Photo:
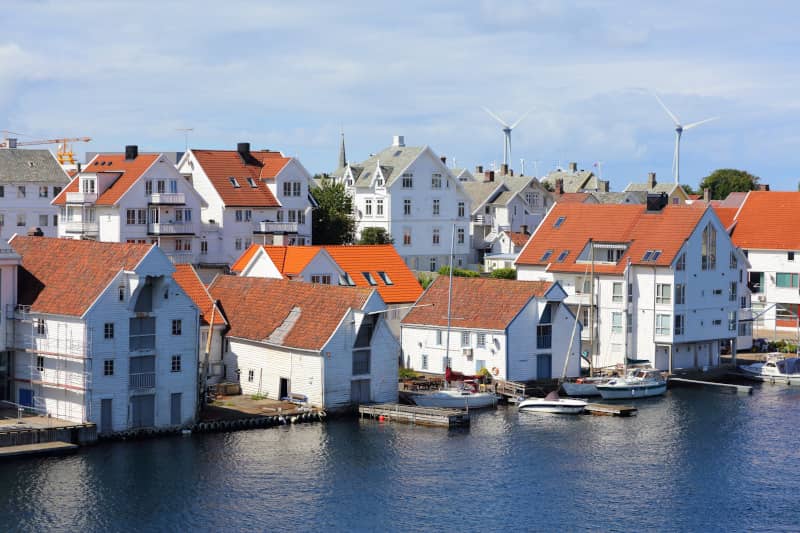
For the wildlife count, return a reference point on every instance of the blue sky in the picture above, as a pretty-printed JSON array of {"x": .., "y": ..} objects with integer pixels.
[{"x": 289, "y": 75}]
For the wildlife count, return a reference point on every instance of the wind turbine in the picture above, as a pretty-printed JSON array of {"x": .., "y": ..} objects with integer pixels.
[
  {"x": 507, "y": 132},
  {"x": 679, "y": 129}
]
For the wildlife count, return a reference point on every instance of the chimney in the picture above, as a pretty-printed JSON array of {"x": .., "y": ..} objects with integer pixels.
[
  {"x": 243, "y": 149},
  {"x": 35, "y": 232},
  {"x": 651, "y": 180},
  {"x": 656, "y": 202},
  {"x": 523, "y": 228},
  {"x": 398, "y": 141},
  {"x": 511, "y": 171},
  {"x": 79, "y": 167},
  {"x": 444, "y": 160},
  {"x": 479, "y": 169},
  {"x": 573, "y": 167},
  {"x": 559, "y": 186},
  {"x": 706, "y": 195},
  {"x": 131, "y": 152},
  {"x": 504, "y": 169},
  {"x": 11, "y": 142},
  {"x": 488, "y": 175}
]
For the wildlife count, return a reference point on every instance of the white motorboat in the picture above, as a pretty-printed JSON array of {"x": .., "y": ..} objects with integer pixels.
[
  {"x": 461, "y": 398},
  {"x": 553, "y": 404},
  {"x": 774, "y": 370},
  {"x": 583, "y": 386},
  {"x": 639, "y": 383}
]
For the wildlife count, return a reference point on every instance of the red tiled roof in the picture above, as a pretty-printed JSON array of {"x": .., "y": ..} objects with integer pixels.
[
  {"x": 221, "y": 165},
  {"x": 572, "y": 197},
  {"x": 187, "y": 278},
  {"x": 519, "y": 239},
  {"x": 476, "y": 302},
  {"x": 768, "y": 220},
  {"x": 726, "y": 215},
  {"x": 353, "y": 259},
  {"x": 65, "y": 276},
  {"x": 129, "y": 171},
  {"x": 665, "y": 230},
  {"x": 256, "y": 307}
]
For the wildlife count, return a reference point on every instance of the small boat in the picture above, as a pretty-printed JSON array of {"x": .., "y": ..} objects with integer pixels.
[
  {"x": 583, "y": 386},
  {"x": 460, "y": 398},
  {"x": 553, "y": 404},
  {"x": 639, "y": 383},
  {"x": 774, "y": 370}
]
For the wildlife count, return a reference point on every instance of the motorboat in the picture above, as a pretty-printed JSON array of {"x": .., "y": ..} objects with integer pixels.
[
  {"x": 552, "y": 403},
  {"x": 774, "y": 370},
  {"x": 458, "y": 398},
  {"x": 638, "y": 383},
  {"x": 583, "y": 386}
]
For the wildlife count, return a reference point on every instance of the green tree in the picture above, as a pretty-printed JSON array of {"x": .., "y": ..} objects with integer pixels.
[
  {"x": 503, "y": 273},
  {"x": 724, "y": 181},
  {"x": 425, "y": 279},
  {"x": 375, "y": 236},
  {"x": 332, "y": 220},
  {"x": 458, "y": 272}
]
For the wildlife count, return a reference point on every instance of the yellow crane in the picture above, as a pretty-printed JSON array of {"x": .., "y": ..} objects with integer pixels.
[{"x": 64, "y": 154}]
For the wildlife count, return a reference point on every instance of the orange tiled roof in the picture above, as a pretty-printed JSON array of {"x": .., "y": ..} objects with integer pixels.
[
  {"x": 129, "y": 171},
  {"x": 572, "y": 197},
  {"x": 65, "y": 276},
  {"x": 519, "y": 239},
  {"x": 768, "y": 220},
  {"x": 476, "y": 302},
  {"x": 256, "y": 307},
  {"x": 353, "y": 259},
  {"x": 665, "y": 230},
  {"x": 221, "y": 165},
  {"x": 187, "y": 278},
  {"x": 726, "y": 215}
]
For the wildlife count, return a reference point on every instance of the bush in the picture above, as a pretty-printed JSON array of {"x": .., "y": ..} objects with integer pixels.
[
  {"x": 458, "y": 272},
  {"x": 406, "y": 373},
  {"x": 504, "y": 273},
  {"x": 425, "y": 279}
]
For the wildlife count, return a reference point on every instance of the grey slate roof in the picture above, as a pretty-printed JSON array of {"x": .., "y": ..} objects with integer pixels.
[
  {"x": 393, "y": 161},
  {"x": 638, "y": 197},
  {"x": 479, "y": 191},
  {"x": 644, "y": 187},
  {"x": 503, "y": 198},
  {"x": 30, "y": 166},
  {"x": 573, "y": 181}
]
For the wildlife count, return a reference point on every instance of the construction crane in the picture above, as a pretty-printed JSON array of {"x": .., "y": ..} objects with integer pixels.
[{"x": 64, "y": 154}]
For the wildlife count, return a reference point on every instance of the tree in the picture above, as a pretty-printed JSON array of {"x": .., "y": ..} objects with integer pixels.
[
  {"x": 724, "y": 181},
  {"x": 503, "y": 273},
  {"x": 375, "y": 236},
  {"x": 332, "y": 220},
  {"x": 458, "y": 272}
]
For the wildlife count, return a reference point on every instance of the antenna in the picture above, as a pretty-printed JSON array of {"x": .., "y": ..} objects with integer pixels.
[
  {"x": 507, "y": 132},
  {"x": 186, "y": 132},
  {"x": 679, "y": 129},
  {"x": 521, "y": 166}
]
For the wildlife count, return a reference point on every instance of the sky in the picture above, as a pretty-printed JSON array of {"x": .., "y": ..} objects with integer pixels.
[{"x": 291, "y": 76}]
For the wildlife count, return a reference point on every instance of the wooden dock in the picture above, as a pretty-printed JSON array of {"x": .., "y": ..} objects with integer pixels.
[
  {"x": 410, "y": 414},
  {"x": 605, "y": 409},
  {"x": 720, "y": 387},
  {"x": 41, "y": 448}
]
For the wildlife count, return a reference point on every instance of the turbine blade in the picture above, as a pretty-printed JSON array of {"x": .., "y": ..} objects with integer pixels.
[
  {"x": 670, "y": 113},
  {"x": 693, "y": 124},
  {"x": 498, "y": 119},
  {"x": 520, "y": 119}
]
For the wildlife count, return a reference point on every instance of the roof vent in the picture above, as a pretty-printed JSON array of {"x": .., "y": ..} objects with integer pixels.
[
  {"x": 398, "y": 140},
  {"x": 131, "y": 152}
]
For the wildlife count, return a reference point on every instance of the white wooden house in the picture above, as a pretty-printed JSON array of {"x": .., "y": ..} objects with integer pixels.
[
  {"x": 517, "y": 330},
  {"x": 324, "y": 344}
]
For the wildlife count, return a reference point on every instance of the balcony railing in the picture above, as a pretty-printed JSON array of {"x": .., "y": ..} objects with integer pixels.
[
  {"x": 81, "y": 197},
  {"x": 167, "y": 198},
  {"x": 78, "y": 226},
  {"x": 275, "y": 227},
  {"x": 170, "y": 228},
  {"x": 143, "y": 380},
  {"x": 485, "y": 220},
  {"x": 180, "y": 258}
]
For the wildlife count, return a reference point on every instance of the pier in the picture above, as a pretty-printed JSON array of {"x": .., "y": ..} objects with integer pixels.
[
  {"x": 711, "y": 385},
  {"x": 40, "y": 448},
  {"x": 409, "y": 414},
  {"x": 606, "y": 409}
]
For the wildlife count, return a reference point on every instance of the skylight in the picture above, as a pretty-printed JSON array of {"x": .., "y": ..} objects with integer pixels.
[
  {"x": 252, "y": 182},
  {"x": 651, "y": 255},
  {"x": 559, "y": 222},
  {"x": 546, "y": 255},
  {"x": 385, "y": 277},
  {"x": 563, "y": 255},
  {"x": 369, "y": 278},
  {"x": 234, "y": 182}
]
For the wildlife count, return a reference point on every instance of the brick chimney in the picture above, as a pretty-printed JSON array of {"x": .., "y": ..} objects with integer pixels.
[
  {"x": 651, "y": 180},
  {"x": 131, "y": 152},
  {"x": 488, "y": 175},
  {"x": 573, "y": 167},
  {"x": 479, "y": 169},
  {"x": 504, "y": 169},
  {"x": 706, "y": 195}
]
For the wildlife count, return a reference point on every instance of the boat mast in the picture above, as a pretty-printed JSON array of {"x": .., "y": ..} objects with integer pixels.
[
  {"x": 572, "y": 337},
  {"x": 591, "y": 309},
  {"x": 449, "y": 298}
]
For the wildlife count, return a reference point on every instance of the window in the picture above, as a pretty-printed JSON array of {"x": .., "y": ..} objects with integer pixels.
[
  {"x": 680, "y": 294},
  {"x": 2, "y": 220},
  {"x": 436, "y": 203},
  {"x": 435, "y": 235},
  {"x": 176, "y": 327},
  {"x": 40, "y": 326},
  {"x": 744, "y": 329},
  {"x": 436, "y": 181},
  {"x": 248, "y": 215},
  {"x": 43, "y": 191},
  {"x": 324, "y": 279},
  {"x": 433, "y": 265},
  {"x": 616, "y": 322},
  {"x": 148, "y": 187},
  {"x": 461, "y": 209},
  {"x": 465, "y": 338},
  {"x": 21, "y": 191},
  {"x": 142, "y": 334},
  {"x": 680, "y": 263},
  {"x": 408, "y": 181},
  {"x": 630, "y": 292},
  {"x": 407, "y": 236},
  {"x": 663, "y": 293},
  {"x": 786, "y": 279},
  {"x": 252, "y": 183},
  {"x": 40, "y": 363},
  {"x": 141, "y": 216},
  {"x": 204, "y": 247},
  {"x": 732, "y": 291},
  {"x": 662, "y": 325},
  {"x": 481, "y": 340},
  {"x": 438, "y": 337},
  {"x": 108, "y": 367},
  {"x": 239, "y": 214},
  {"x": 121, "y": 291},
  {"x": 368, "y": 207},
  {"x": 460, "y": 235},
  {"x": 251, "y": 375},
  {"x": 616, "y": 291},
  {"x": 406, "y": 206},
  {"x": 424, "y": 362},
  {"x": 369, "y": 278},
  {"x": 56, "y": 191},
  {"x": 2, "y": 191},
  {"x": 789, "y": 257},
  {"x": 234, "y": 182},
  {"x": 161, "y": 186},
  {"x": 679, "y": 320},
  {"x": 237, "y": 243},
  {"x": 176, "y": 364},
  {"x": 708, "y": 248},
  {"x": 743, "y": 302},
  {"x": 559, "y": 221},
  {"x": 629, "y": 322},
  {"x": 21, "y": 220},
  {"x": 295, "y": 188},
  {"x": 287, "y": 188},
  {"x": 385, "y": 277},
  {"x": 717, "y": 292},
  {"x": 292, "y": 215},
  {"x": 130, "y": 216},
  {"x": 546, "y": 255},
  {"x": 108, "y": 330},
  {"x": 734, "y": 263},
  {"x": 563, "y": 255},
  {"x": 732, "y": 321},
  {"x": 55, "y": 220},
  {"x": 43, "y": 220},
  {"x": 379, "y": 207},
  {"x": 651, "y": 255}
]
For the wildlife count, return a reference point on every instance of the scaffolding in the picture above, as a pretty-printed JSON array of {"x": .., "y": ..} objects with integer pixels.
[{"x": 57, "y": 360}]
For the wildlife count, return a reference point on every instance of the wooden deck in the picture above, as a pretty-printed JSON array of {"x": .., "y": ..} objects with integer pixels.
[
  {"x": 410, "y": 414},
  {"x": 41, "y": 448},
  {"x": 605, "y": 409}
]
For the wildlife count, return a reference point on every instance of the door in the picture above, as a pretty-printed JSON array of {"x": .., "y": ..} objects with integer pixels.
[
  {"x": 359, "y": 391},
  {"x": 105, "y": 416},
  {"x": 143, "y": 411},
  {"x": 544, "y": 365},
  {"x": 284, "y": 389},
  {"x": 175, "y": 409},
  {"x": 26, "y": 397}
]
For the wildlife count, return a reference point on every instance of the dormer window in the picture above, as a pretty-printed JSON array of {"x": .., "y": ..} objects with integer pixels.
[
  {"x": 379, "y": 182},
  {"x": 349, "y": 182},
  {"x": 252, "y": 182},
  {"x": 88, "y": 186},
  {"x": 234, "y": 182}
]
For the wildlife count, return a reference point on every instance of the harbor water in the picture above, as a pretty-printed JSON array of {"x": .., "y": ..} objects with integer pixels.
[{"x": 690, "y": 461}]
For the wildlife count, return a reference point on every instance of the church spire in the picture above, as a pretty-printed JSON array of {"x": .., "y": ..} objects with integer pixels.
[{"x": 342, "y": 155}]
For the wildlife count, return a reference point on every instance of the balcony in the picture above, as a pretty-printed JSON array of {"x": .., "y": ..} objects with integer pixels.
[
  {"x": 180, "y": 258},
  {"x": 81, "y": 197},
  {"x": 142, "y": 380},
  {"x": 170, "y": 198},
  {"x": 482, "y": 220},
  {"x": 83, "y": 228},
  {"x": 275, "y": 227},
  {"x": 170, "y": 228}
]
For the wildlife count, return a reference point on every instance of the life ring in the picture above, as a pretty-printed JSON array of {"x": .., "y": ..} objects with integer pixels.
[{"x": 495, "y": 370}]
